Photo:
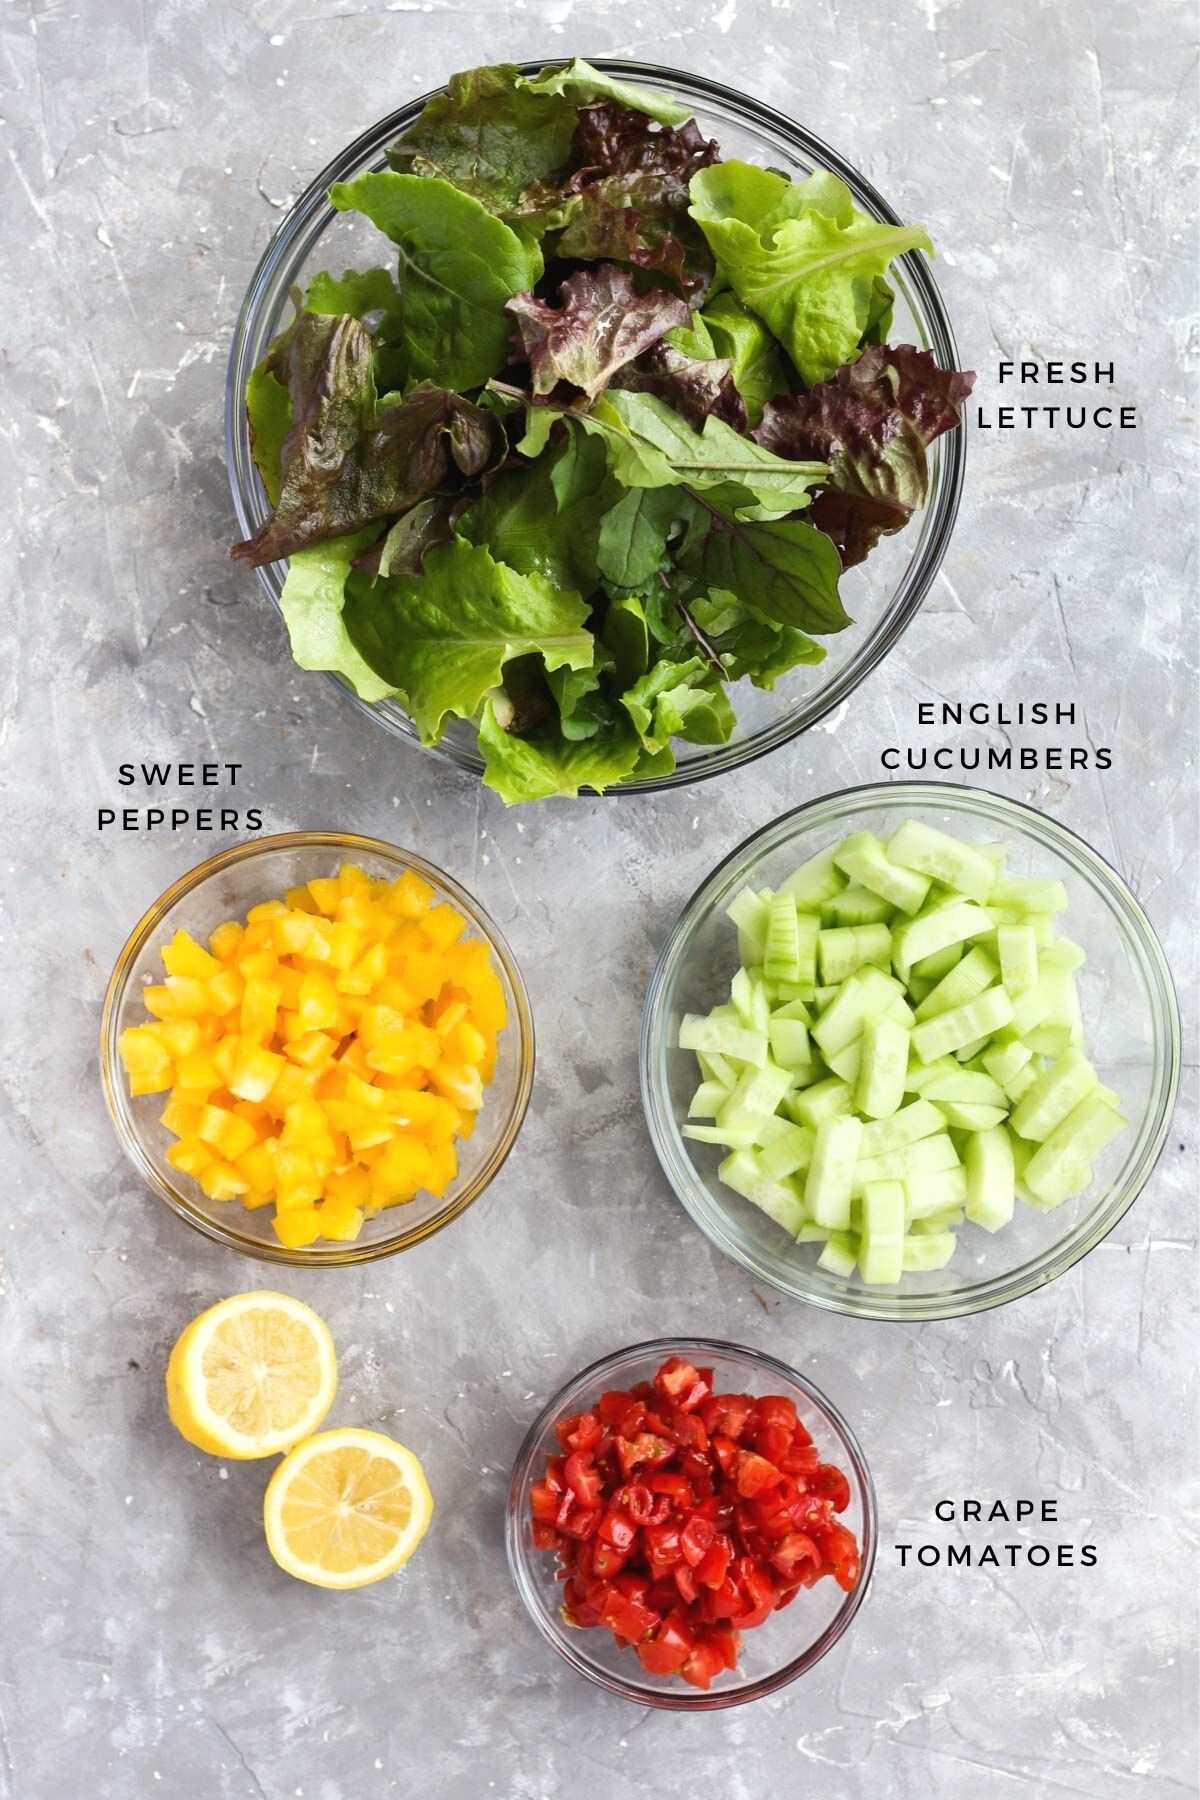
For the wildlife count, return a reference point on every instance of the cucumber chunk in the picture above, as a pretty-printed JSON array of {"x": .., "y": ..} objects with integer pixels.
[
  {"x": 884, "y": 1068},
  {"x": 864, "y": 859},
  {"x": 788, "y": 1153},
  {"x": 1051, "y": 1173},
  {"x": 845, "y": 948},
  {"x": 840, "y": 1253},
  {"x": 931, "y": 852},
  {"x": 723, "y": 1037},
  {"x": 730, "y": 1137},
  {"x": 939, "y": 929},
  {"x": 926, "y": 1157},
  {"x": 857, "y": 906},
  {"x": 815, "y": 881},
  {"x": 1018, "y": 952},
  {"x": 962, "y": 1025},
  {"x": 924, "y": 1254},
  {"x": 881, "y": 1260},
  {"x": 777, "y": 1199},
  {"x": 1053, "y": 1095},
  {"x": 790, "y": 1044},
  {"x": 708, "y": 1100},
  {"x": 917, "y": 1120},
  {"x": 755, "y": 1097},
  {"x": 828, "y": 1099},
  {"x": 782, "y": 959},
  {"x": 830, "y": 1180},
  {"x": 964, "y": 982},
  {"x": 930, "y": 1195},
  {"x": 991, "y": 1178}
]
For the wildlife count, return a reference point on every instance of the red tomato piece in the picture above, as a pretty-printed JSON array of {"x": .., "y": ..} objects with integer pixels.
[
  {"x": 544, "y": 1535},
  {"x": 581, "y": 1522},
  {"x": 662, "y": 1546},
  {"x": 667, "y": 1651},
  {"x": 543, "y": 1502},
  {"x": 831, "y": 1485},
  {"x": 606, "y": 1559},
  {"x": 801, "y": 1459},
  {"x": 773, "y": 1442},
  {"x": 713, "y": 1567},
  {"x": 637, "y": 1500},
  {"x": 755, "y": 1474},
  {"x": 584, "y": 1478},
  {"x": 685, "y": 1581},
  {"x": 791, "y": 1553},
  {"x": 696, "y": 1537},
  {"x": 646, "y": 1447},
  {"x": 776, "y": 1409},
  {"x": 677, "y": 1488},
  {"x": 613, "y": 1406},
  {"x": 840, "y": 1549},
  {"x": 726, "y": 1452},
  {"x": 618, "y": 1529},
  {"x": 705, "y": 1661},
  {"x": 726, "y": 1640},
  {"x": 675, "y": 1378},
  {"x": 728, "y": 1414}
]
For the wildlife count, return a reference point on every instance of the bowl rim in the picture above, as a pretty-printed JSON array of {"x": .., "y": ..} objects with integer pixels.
[
  {"x": 119, "y": 1103},
  {"x": 307, "y": 218},
  {"x": 697, "y": 1349},
  {"x": 696, "y": 1195}
]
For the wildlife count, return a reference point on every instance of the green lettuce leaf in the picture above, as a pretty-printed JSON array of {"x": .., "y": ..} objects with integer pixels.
[
  {"x": 368, "y": 295},
  {"x": 544, "y": 763},
  {"x": 491, "y": 134},
  {"x": 543, "y": 521},
  {"x": 269, "y": 412},
  {"x": 442, "y": 638},
  {"x": 786, "y": 569},
  {"x": 633, "y": 536},
  {"x": 312, "y": 602},
  {"x": 717, "y": 456},
  {"x": 748, "y": 644},
  {"x": 679, "y": 699},
  {"x": 582, "y": 707},
  {"x": 458, "y": 267},
  {"x": 345, "y": 464},
  {"x": 583, "y": 85},
  {"x": 755, "y": 360},
  {"x": 801, "y": 256}
]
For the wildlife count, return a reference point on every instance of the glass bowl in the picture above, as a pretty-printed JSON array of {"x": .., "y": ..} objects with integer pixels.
[
  {"x": 786, "y": 1645},
  {"x": 881, "y": 595},
  {"x": 225, "y": 887},
  {"x": 1130, "y": 1015}
]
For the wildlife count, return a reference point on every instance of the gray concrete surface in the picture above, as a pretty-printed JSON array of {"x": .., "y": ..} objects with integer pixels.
[{"x": 148, "y": 1644}]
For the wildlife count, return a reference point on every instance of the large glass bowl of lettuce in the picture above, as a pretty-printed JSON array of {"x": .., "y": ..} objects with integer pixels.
[{"x": 596, "y": 427}]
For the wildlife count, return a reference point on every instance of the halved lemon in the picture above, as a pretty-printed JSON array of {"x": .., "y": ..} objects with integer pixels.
[
  {"x": 346, "y": 1508},
  {"x": 251, "y": 1376}
]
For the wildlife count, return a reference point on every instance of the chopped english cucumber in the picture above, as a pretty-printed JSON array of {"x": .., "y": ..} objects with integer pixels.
[{"x": 901, "y": 1051}]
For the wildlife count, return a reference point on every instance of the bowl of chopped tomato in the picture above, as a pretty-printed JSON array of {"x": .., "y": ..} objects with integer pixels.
[{"x": 691, "y": 1524}]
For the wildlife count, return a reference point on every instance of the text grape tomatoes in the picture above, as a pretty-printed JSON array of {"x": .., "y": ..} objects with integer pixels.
[{"x": 681, "y": 1518}]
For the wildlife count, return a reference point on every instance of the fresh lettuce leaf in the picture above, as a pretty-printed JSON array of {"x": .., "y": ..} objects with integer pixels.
[
  {"x": 601, "y": 323},
  {"x": 755, "y": 360},
  {"x": 582, "y": 707},
  {"x": 369, "y": 295},
  {"x": 491, "y": 134},
  {"x": 800, "y": 255},
  {"x": 544, "y": 763},
  {"x": 583, "y": 85},
  {"x": 346, "y": 464},
  {"x": 542, "y": 521},
  {"x": 696, "y": 387},
  {"x": 458, "y": 267},
  {"x": 632, "y": 543},
  {"x": 312, "y": 603},
  {"x": 442, "y": 638},
  {"x": 717, "y": 456},
  {"x": 680, "y": 699},
  {"x": 269, "y": 412},
  {"x": 872, "y": 424},
  {"x": 785, "y": 568}
]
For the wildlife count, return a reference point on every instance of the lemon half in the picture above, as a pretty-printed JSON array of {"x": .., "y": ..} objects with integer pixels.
[
  {"x": 251, "y": 1376},
  {"x": 346, "y": 1508}
]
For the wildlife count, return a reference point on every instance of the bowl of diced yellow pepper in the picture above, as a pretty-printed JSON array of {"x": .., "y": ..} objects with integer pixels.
[{"x": 317, "y": 1048}]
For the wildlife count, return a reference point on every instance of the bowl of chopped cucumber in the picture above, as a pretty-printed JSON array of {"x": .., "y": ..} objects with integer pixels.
[{"x": 911, "y": 1051}]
